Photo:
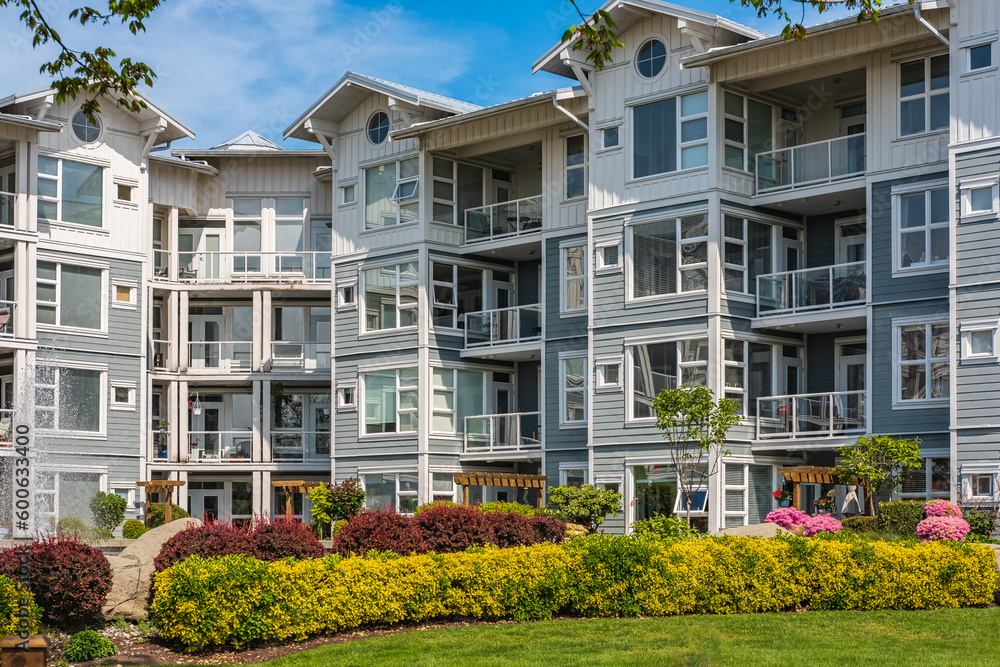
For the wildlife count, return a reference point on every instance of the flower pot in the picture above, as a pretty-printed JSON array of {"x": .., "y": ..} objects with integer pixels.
[{"x": 785, "y": 503}]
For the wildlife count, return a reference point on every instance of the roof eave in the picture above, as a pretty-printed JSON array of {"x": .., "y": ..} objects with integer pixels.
[{"x": 184, "y": 164}]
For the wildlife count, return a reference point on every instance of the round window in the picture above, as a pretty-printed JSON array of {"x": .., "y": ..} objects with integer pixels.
[
  {"x": 86, "y": 130},
  {"x": 651, "y": 58},
  {"x": 378, "y": 127}
]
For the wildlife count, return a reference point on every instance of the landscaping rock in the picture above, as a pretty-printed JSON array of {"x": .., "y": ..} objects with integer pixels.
[
  {"x": 756, "y": 530},
  {"x": 132, "y": 571}
]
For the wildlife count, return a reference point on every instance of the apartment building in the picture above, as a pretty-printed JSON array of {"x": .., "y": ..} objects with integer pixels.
[{"x": 804, "y": 227}]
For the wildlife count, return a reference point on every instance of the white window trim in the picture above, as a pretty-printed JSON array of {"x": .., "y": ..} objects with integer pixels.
[
  {"x": 360, "y": 400},
  {"x": 908, "y": 189},
  {"x": 600, "y": 247},
  {"x": 360, "y": 293},
  {"x": 694, "y": 143},
  {"x": 342, "y": 303},
  {"x": 457, "y": 430},
  {"x": 58, "y": 178},
  {"x": 629, "y": 263},
  {"x": 362, "y": 195},
  {"x": 926, "y": 95},
  {"x": 131, "y": 404},
  {"x": 967, "y": 60},
  {"x": 742, "y": 391},
  {"x": 342, "y": 405},
  {"x": 897, "y": 325},
  {"x": 133, "y": 288},
  {"x": 676, "y": 96},
  {"x": 563, "y": 358},
  {"x": 927, "y": 494},
  {"x": 614, "y": 147},
  {"x": 629, "y": 375},
  {"x": 966, "y": 186},
  {"x": 564, "y": 279},
  {"x": 726, "y": 488},
  {"x": 969, "y": 485},
  {"x": 129, "y": 488},
  {"x": 585, "y": 166},
  {"x": 353, "y": 187},
  {"x": 565, "y": 467},
  {"x": 102, "y": 382},
  {"x": 969, "y": 327},
  {"x": 600, "y": 383},
  {"x": 397, "y": 471},
  {"x": 57, "y": 327}
]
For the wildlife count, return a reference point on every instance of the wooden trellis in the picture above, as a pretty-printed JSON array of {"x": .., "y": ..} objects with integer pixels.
[
  {"x": 166, "y": 487},
  {"x": 294, "y": 486},
  {"x": 797, "y": 475},
  {"x": 467, "y": 479}
]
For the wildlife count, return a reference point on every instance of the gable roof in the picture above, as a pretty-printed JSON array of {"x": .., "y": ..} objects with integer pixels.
[
  {"x": 627, "y": 13},
  {"x": 353, "y": 88},
  {"x": 247, "y": 140}
]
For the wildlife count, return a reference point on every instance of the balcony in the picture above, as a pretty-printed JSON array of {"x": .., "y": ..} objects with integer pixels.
[
  {"x": 510, "y": 219},
  {"x": 161, "y": 354},
  {"x": 511, "y": 435},
  {"x": 826, "y": 415},
  {"x": 6, "y": 420},
  {"x": 161, "y": 265},
  {"x": 814, "y": 298},
  {"x": 811, "y": 164},
  {"x": 300, "y": 356},
  {"x": 7, "y": 208},
  {"x": 219, "y": 356},
  {"x": 219, "y": 446},
  {"x": 8, "y": 310},
  {"x": 159, "y": 438},
  {"x": 513, "y": 333},
  {"x": 300, "y": 447},
  {"x": 252, "y": 266}
]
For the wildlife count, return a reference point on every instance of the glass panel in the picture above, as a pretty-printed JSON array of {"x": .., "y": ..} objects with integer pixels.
[
  {"x": 693, "y": 130},
  {"x": 912, "y": 342},
  {"x": 79, "y": 400},
  {"x": 655, "y": 138},
  {"x": 694, "y": 104},
  {"x": 980, "y": 57},
  {"x": 380, "y": 402},
  {"x": 939, "y": 340},
  {"x": 247, "y": 207},
  {"x": 288, "y": 207},
  {"x": 654, "y": 368},
  {"x": 380, "y": 492},
  {"x": 913, "y": 250},
  {"x": 470, "y": 399},
  {"x": 48, "y": 165},
  {"x": 911, "y": 116},
  {"x": 939, "y": 72},
  {"x": 911, "y": 78},
  {"x": 655, "y": 491},
  {"x": 80, "y": 295},
  {"x": 981, "y": 199},
  {"x": 734, "y": 105},
  {"x": 380, "y": 209},
  {"x": 82, "y": 193},
  {"x": 940, "y": 111},
  {"x": 982, "y": 342},
  {"x": 694, "y": 156},
  {"x": 655, "y": 259},
  {"x": 912, "y": 381}
]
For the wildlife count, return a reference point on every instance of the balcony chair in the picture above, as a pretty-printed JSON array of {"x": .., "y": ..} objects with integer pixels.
[{"x": 5, "y": 313}]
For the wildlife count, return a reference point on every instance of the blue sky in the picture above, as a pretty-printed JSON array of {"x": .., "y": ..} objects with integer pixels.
[{"x": 225, "y": 66}]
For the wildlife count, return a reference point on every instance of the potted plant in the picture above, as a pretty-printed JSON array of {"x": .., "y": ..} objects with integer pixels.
[{"x": 782, "y": 496}]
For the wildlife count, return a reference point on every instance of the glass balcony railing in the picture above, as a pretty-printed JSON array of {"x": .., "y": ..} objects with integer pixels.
[
  {"x": 811, "y": 415},
  {"x": 300, "y": 447},
  {"x": 8, "y": 309},
  {"x": 6, "y": 428},
  {"x": 300, "y": 356},
  {"x": 514, "y": 432},
  {"x": 250, "y": 266},
  {"x": 809, "y": 290},
  {"x": 219, "y": 446},
  {"x": 503, "y": 326},
  {"x": 811, "y": 164},
  {"x": 7, "y": 208},
  {"x": 161, "y": 354},
  {"x": 158, "y": 439},
  {"x": 220, "y": 356},
  {"x": 503, "y": 220},
  {"x": 161, "y": 264}
]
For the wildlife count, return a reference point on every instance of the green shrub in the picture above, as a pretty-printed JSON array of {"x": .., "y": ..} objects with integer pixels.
[
  {"x": 586, "y": 505},
  {"x": 108, "y": 510},
  {"x": 133, "y": 529},
  {"x": 155, "y": 513},
  {"x": 981, "y": 522},
  {"x": 900, "y": 516},
  {"x": 88, "y": 645},
  {"x": 10, "y": 604},
  {"x": 71, "y": 526},
  {"x": 200, "y": 603},
  {"x": 337, "y": 526},
  {"x": 507, "y": 508},
  {"x": 437, "y": 503},
  {"x": 861, "y": 524},
  {"x": 663, "y": 527}
]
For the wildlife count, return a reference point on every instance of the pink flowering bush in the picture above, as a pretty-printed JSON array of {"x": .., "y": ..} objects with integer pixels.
[
  {"x": 822, "y": 523},
  {"x": 942, "y": 508},
  {"x": 787, "y": 517},
  {"x": 950, "y": 528}
]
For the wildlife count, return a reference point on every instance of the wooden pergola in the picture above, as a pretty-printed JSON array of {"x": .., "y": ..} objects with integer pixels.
[
  {"x": 797, "y": 475},
  {"x": 166, "y": 487},
  {"x": 514, "y": 480},
  {"x": 294, "y": 486}
]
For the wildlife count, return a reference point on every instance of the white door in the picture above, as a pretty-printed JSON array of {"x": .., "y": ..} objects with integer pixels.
[
  {"x": 849, "y": 156},
  {"x": 200, "y": 254},
  {"x": 208, "y": 504},
  {"x": 852, "y": 362},
  {"x": 851, "y": 242},
  {"x": 204, "y": 430},
  {"x": 503, "y": 404},
  {"x": 205, "y": 333}
]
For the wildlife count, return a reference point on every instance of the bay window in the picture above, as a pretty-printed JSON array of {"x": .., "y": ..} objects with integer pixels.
[
  {"x": 923, "y": 95},
  {"x": 748, "y": 130},
  {"x": 922, "y": 364},
  {"x": 391, "y": 402},
  {"x": 747, "y": 253},
  {"x": 457, "y": 394},
  {"x": 658, "y": 366},
  {"x": 392, "y": 194},
  {"x": 70, "y": 191},
  {"x": 391, "y": 297},
  {"x": 669, "y": 256},
  {"x": 68, "y": 399},
  {"x": 69, "y": 296},
  {"x": 670, "y": 134},
  {"x": 456, "y": 291}
]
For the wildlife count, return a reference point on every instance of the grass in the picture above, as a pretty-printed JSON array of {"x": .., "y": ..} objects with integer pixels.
[{"x": 964, "y": 637}]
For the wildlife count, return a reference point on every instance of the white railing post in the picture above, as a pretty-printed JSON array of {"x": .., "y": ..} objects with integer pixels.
[{"x": 493, "y": 437}]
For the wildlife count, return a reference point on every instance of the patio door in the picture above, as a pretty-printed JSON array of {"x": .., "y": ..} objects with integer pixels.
[
  {"x": 790, "y": 257},
  {"x": 850, "y": 159},
  {"x": 850, "y": 241},
  {"x": 208, "y": 503},
  {"x": 205, "y": 331},
  {"x": 319, "y": 424},
  {"x": 852, "y": 361},
  {"x": 503, "y": 404},
  {"x": 204, "y": 429},
  {"x": 199, "y": 254}
]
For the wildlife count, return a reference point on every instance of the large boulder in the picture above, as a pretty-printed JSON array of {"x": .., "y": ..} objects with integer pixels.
[
  {"x": 132, "y": 571},
  {"x": 755, "y": 530}
]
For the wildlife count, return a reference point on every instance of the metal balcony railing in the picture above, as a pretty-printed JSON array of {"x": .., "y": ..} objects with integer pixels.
[
  {"x": 811, "y": 164},
  {"x": 822, "y": 415},
  {"x": 300, "y": 355},
  {"x": 220, "y": 356},
  {"x": 219, "y": 446},
  {"x": 503, "y": 220},
  {"x": 300, "y": 447},
  {"x": 514, "y": 432},
  {"x": 249, "y": 266},
  {"x": 503, "y": 326},
  {"x": 811, "y": 290}
]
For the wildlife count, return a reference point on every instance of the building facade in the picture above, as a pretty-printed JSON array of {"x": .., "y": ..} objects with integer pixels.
[{"x": 806, "y": 228}]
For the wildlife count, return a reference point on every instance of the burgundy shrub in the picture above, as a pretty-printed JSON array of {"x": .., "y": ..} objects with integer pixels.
[
  {"x": 70, "y": 579},
  {"x": 379, "y": 531},
  {"x": 548, "y": 529},
  {"x": 283, "y": 538},
  {"x": 451, "y": 529},
  {"x": 510, "y": 529},
  {"x": 210, "y": 539}
]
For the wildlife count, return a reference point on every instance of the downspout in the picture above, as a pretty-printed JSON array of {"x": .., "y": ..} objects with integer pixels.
[
  {"x": 555, "y": 103},
  {"x": 922, "y": 21}
]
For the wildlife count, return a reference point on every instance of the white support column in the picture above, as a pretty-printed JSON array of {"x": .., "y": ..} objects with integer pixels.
[
  {"x": 266, "y": 312},
  {"x": 184, "y": 449},
  {"x": 24, "y": 287},
  {"x": 174, "y": 421},
  {"x": 424, "y": 491},
  {"x": 183, "y": 351},
  {"x": 264, "y": 508},
  {"x": 170, "y": 234},
  {"x": 181, "y": 494},
  {"x": 257, "y": 437},
  {"x": 172, "y": 313}
]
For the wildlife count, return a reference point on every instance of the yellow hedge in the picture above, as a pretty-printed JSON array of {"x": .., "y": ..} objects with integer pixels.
[
  {"x": 236, "y": 600},
  {"x": 11, "y": 595}
]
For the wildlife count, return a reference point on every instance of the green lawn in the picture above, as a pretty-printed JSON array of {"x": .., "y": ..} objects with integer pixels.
[{"x": 946, "y": 637}]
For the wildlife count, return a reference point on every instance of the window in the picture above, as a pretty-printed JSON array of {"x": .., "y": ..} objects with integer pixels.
[
  {"x": 346, "y": 397},
  {"x": 668, "y": 133},
  {"x": 395, "y": 492},
  {"x": 126, "y": 493},
  {"x": 574, "y": 284},
  {"x": 655, "y": 367},
  {"x": 87, "y": 130},
  {"x": 979, "y": 340},
  {"x": 922, "y": 227},
  {"x": 981, "y": 486},
  {"x": 346, "y": 295},
  {"x": 669, "y": 253},
  {"x": 289, "y": 233},
  {"x": 608, "y": 256},
  {"x": 574, "y": 390},
  {"x": 457, "y": 291},
  {"x": 576, "y": 167},
  {"x": 69, "y": 296},
  {"x": 124, "y": 295},
  {"x": 68, "y": 399},
  {"x": 390, "y": 401},
  {"x": 457, "y": 394},
  {"x": 444, "y": 487},
  {"x": 391, "y": 297},
  {"x": 747, "y": 246},
  {"x": 650, "y": 58},
  {"x": 609, "y": 137},
  {"x": 932, "y": 480},
  {"x": 123, "y": 395},
  {"x": 923, "y": 373},
  {"x": 923, "y": 95},
  {"x": 123, "y": 192},
  {"x": 980, "y": 57},
  {"x": 70, "y": 191},
  {"x": 378, "y": 127},
  {"x": 980, "y": 198},
  {"x": 748, "y": 131},
  {"x": 736, "y": 373},
  {"x": 575, "y": 476},
  {"x": 391, "y": 195},
  {"x": 347, "y": 195},
  {"x": 609, "y": 374}
]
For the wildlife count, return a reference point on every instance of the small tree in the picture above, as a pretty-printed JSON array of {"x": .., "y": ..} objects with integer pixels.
[
  {"x": 586, "y": 505},
  {"x": 879, "y": 463},
  {"x": 333, "y": 502},
  {"x": 108, "y": 510},
  {"x": 695, "y": 427}
]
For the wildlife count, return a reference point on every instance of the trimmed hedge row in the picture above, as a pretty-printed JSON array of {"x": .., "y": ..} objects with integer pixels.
[{"x": 235, "y": 600}]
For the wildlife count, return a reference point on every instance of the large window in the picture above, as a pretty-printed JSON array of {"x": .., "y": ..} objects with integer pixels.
[
  {"x": 573, "y": 379},
  {"x": 923, "y": 95},
  {"x": 670, "y": 134},
  {"x": 748, "y": 372},
  {"x": 68, "y": 399},
  {"x": 574, "y": 284},
  {"x": 931, "y": 480},
  {"x": 457, "y": 186},
  {"x": 748, "y": 131},
  {"x": 289, "y": 232},
  {"x": 457, "y": 290},
  {"x": 923, "y": 369},
  {"x": 921, "y": 229},
  {"x": 457, "y": 394},
  {"x": 391, "y": 297},
  {"x": 747, "y": 253},
  {"x": 394, "y": 491},
  {"x": 70, "y": 296},
  {"x": 576, "y": 167},
  {"x": 668, "y": 254},
  {"x": 70, "y": 191},
  {"x": 391, "y": 402},
  {"x": 656, "y": 367},
  {"x": 391, "y": 194}
]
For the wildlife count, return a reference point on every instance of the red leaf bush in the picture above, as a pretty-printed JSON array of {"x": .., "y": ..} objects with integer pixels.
[
  {"x": 70, "y": 579},
  {"x": 511, "y": 529},
  {"x": 548, "y": 529},
  {"x": 450, "y": 529},
  {"x": 285, "y": 538},
  {"x": 210, "y": 539},
  {"x": 379, "y": 531}
]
